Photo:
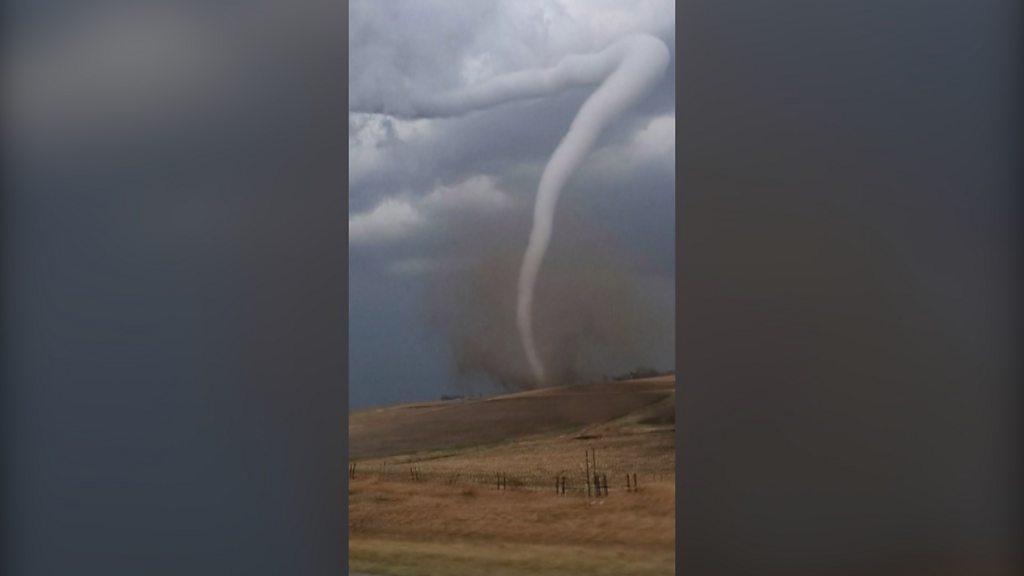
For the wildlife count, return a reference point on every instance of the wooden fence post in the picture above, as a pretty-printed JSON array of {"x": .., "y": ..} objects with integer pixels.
[{"x": 588, "y": 473}]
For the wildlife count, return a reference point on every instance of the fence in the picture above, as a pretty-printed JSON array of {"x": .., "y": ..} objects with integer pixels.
[{"x": 592, "y": 479}]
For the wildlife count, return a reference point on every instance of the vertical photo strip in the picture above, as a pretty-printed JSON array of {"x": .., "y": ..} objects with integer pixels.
[{"x": 511, "y": 224}]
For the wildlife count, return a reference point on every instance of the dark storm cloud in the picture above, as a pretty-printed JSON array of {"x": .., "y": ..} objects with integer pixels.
[{"x": 495, "y": 141}]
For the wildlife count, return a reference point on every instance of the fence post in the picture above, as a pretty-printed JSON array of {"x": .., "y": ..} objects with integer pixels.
[{"x": 588, "y": 473}]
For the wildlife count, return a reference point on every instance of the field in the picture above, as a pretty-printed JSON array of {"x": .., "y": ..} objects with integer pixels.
[{"x": 499, "y": 486}]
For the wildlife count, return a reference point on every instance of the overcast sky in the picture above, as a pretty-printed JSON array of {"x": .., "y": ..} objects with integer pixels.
[{"x": 434, "y": 201}]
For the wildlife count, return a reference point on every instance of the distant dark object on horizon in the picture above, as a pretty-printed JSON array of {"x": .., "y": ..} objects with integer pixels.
[
  {"x": 642, "y": 372},
  {"x": 446, "y": 397}
]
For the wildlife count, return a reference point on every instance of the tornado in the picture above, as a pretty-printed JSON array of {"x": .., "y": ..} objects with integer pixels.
[{"x": 624, "y": 72}]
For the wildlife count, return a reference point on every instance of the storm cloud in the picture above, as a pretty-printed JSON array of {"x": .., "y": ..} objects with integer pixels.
[{"x": 622, "y": 198}]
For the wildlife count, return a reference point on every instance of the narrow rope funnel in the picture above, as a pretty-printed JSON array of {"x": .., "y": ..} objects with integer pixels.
[{"x": 625, "y": 72}]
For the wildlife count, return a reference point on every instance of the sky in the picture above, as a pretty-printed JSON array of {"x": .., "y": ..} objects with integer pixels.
[{"x": 439, "y": 209}]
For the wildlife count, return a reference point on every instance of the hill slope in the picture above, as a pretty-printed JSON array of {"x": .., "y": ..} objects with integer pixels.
[
  {"x": 425, "y": 499},
  {"x": 454, "y": 424}
]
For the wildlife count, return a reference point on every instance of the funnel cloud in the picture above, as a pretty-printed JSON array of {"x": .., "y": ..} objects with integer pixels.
[
  {"x": 626, "y": 71},
  {"x": 468, "y": 123}
]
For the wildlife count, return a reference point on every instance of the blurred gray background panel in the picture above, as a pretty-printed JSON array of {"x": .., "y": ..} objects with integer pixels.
[
  {"x": 848, "y": 287},
  {"x": 173, "y": 287}
]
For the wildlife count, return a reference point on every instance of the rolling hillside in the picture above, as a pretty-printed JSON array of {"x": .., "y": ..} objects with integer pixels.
[
  {"x": 454, "y": 424},
  {"x": 424, "y": 497}
]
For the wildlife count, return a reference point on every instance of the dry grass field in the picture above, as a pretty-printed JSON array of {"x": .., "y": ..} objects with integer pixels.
[{"x": 469, "y": 486}]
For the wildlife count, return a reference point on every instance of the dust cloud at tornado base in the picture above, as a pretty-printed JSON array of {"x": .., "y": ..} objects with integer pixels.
[{"x": 598, "y": 314}]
